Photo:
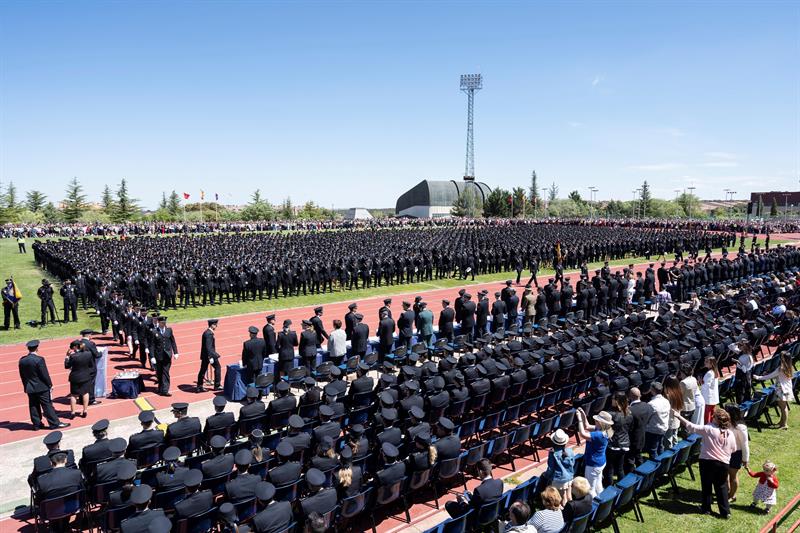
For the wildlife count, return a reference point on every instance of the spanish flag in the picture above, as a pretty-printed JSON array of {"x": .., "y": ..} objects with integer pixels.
[
  {"x": 558, "y": 252},
  {"x": 15, "y": 292}
]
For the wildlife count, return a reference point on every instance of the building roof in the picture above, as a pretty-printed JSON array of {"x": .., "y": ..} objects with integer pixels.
[
  {"x": 781, "y": 197},
  {"x": 438, "y": 193}
]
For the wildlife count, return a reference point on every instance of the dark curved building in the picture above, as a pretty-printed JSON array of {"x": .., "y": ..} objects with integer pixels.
[{"x": 434, "y": 198}]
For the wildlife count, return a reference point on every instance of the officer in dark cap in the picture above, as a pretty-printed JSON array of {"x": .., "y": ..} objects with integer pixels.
[
  {"x": 253, "y": 352},
  {"x": 308, "y": 346},
  {"x": 385, "y": 333},
  {"x": 446, "y": 318},
  {"x": 285, "y": 401},
  {"x": 312, "y": 394},
  {"x": 220, "y": 419},
  {"x": 288, "y": 471},
  {"x": 243, "y": 486},
  {"x": 393, "y": 470},
  {"x": 254, "y": 407},
  {"x": 220, "y": 463},
  {"x": 286, "y": 343},
  {"x": 126, "y": 476},
  {"x": 363, "y": 382},
  {"x": 319, "y": 500},
  {"x": 45, "y": 294},
  {"x": 143, "y": 517},
  {"x": 387, "y": 308},
  {"x": 467, "y": 317},
  {"x": 184, "y": 425},
  {"x": 299, "y": 439},
  {"x": 448, "y": 446},
  {"x": 359, "y": 339},
  {"x": 42, "y": 464},
  {"x": 164, "y": 350},
  {"x": 172, "y": 476},
  {"x": 107, "y": 472},
  {"x": 274, "y": 516},
  {"x": 196, "y": 501},
  {"x": 209, "y": 356},
  {"x": 405, "y": 326},
  {"x": 327, "y": 427},
  {"x": 97, "y": 451},
  {"x": 319, "y": 328},
  {"x": 61, "y": 480},
  {"x": 350, "y": 320},
  {"x": 37, "y": 384},
  {"x": 270, "y": 337},
  {"x": 148, "y": 437}
]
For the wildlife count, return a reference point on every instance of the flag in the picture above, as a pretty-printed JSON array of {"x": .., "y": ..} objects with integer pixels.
[
  {"x": 202, "y": 195},
  {"x": 13, "y": 295},
  {"x": 186, "y": 196},
  {"x": 558, "y": 252}
]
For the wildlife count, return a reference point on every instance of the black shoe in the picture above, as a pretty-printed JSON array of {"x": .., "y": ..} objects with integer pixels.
[
  {"x": 165, "y": 394},
  {"x": 36, "y": 428},
  {"x": 200, "y": 389},
  {"x": 95, "y": 402},
  {"x": 217, "y": 387},
  {"x": 59, "y": 425}
]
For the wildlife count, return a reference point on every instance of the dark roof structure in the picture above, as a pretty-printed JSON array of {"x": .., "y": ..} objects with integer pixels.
[{"x": 434, "y": 198}]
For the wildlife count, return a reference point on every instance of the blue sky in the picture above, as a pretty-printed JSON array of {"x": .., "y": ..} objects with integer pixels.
[{"x": 352, "y": 103}]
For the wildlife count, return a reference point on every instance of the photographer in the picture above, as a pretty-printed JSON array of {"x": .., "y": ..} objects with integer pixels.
[{"x": 45, "y": 294}]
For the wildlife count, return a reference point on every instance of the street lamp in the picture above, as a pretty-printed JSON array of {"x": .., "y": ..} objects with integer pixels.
[
  {"x": 635, "y": 203},
  {"x": 785, "y": 205},
  {"x": 592, "y": 190},
  {"x": 544, "y": 201},
  {"x": 691, "y": 192}
]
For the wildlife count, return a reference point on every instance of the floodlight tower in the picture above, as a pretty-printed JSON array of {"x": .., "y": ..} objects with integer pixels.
[{"x": 469, "y": 84}]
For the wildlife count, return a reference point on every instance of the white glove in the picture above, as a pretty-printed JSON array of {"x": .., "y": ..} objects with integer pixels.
[
  {"x": 147, "y": 350},
  {"x": 137, "y": 342},
  {"x": 153, "y": 361},
  {"x": 116, "y": 322},
  {"x": 175, "y": 355}
]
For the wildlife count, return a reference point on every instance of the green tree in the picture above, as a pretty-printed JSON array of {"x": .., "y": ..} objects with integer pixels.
[
  {"x": 468, "y": 204},
  {"x": 773, "y": 211},
  {"x": 162, "y": 205},
  {"x": 174, "y": 204},
  {"x": 552, "y": 192},
  {"x": 497, "y": 204},
  {"x": 575, "y": 196},
  {"x": 258, "y": 208},
  {"x": 646, "y": 197},
  {"x": 10, "y": 200},
  {"x": 75, "y": 202},
  {"x": 51, "y": 214},
  {"x": 533, "y": 193},
  {"x": 520, "y": 201},
  {"x": 689, "y": 203},
  {"x": 126, "y": 207},
  {"x": 616, "y": 208},
  {"x": 35, "y": 201},
  {"x": 287, "y": 209},
  {"x": 107, "y": 201}
]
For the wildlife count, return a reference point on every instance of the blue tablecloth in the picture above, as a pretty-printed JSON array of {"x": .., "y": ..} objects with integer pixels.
[
  {"x": 100, "y": 380},
  {"x": 234, "y": 387},
  {"x": 127, "y": 388}
]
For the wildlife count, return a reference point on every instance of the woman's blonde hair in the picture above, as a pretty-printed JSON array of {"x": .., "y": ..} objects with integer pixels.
[
  {"x": 551, "y": 498},
  {"x": 580, "y": 487},
  {"x": 432, "y": 454},
  {"x": 258, "y": 454},
  {"x": 345, "y": 476}
]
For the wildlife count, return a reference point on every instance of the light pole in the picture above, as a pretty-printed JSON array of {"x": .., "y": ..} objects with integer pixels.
[
  {"x": 544, "y": 201},
  {"x": 637, "y": 204},
  {"x": 691, "y": 192},
  {"x": 785, "y": 206},
  {"x": 592, "y": 190},
  {"x": 727, "y": 194}
]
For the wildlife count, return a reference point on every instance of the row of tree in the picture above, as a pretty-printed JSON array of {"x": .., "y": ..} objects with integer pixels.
[{"x": 118, "y": 206}]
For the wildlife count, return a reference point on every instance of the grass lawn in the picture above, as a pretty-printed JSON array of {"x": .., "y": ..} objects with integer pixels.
[
  {"x": 680, "y": 512},
  {"x": 28, "y": 277}
]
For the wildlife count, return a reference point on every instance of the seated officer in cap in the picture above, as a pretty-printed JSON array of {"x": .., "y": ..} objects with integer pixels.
[
  {"x": 287, "y": 472},
  {"x": 274, "y": 517},
  {"x": 416, "y": 423},
  {"x": 393, "y": 470},
  {"x": 254, "y": 408},
  {"x": 327, "y": 427},
  {"x": 42, "y": 464},
  {"x": 220, "y": 463},
  {"x": 325, "y": 459},
  {"x": 348, "y": 477},
  {"x": 362, "y": 383},
  {"x": 299, "y": 439},
  {"x": 424, "y": 455},
  {"x": 448, "y": 446},
  {"x": 319, "y": 500},
  {"x": 61, "y": 480},
  {"x": 143, "y": 517},
  {"x": 312, "y": 394},
  {"x": 184, "y": 425},
  {"x": 174, "y": 473},
  {"x": 284, "y": 401},
  {"x": 220, "y": 419},
  {"x": 243, "y": 486},
  {"x": 107, "y": 472},
  {"x": 439, "y": 399},
  {"x": 125, "y": 478},
  {"x": 98, "y": 450},
  {"x": 149, "y": 435},
  {"x": 196, "y": 501}
]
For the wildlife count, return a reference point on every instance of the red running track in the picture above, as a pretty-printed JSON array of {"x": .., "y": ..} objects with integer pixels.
[{"x": 232, "y": 331}]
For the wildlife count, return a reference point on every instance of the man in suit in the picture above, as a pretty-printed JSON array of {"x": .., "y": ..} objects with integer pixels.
[
  {"x": 98, "y": 450},
  {"x": 274, "y": 517},
  {"x": 270, "y": 339},
  {"x": 319, "y": 500},
  {"x": 308, "y": 346},
  {"x": 385, "y": 336},
  {"x": 350, "y": 320},
  {"x": 489, "y": 490},
  {"x": 220, "y": 419},
  {"x": 196, "y": 501},
  {"x": 143, "y": 518},
  {"x": 184, "y": 425},
  {"x": 61, "y": 480},
  {"x": 219, "y": 463},
  {"x": 405, "y": 326},
  {"x": 468, "y": 317},
  {"x": 164, "y": 350},
  {"x": 253, "y": 352},
  {"x": 147, "y": 437},
  {"x": 243, "y": 486},
  {"x": 319, "y": 328},
  {"x": 286, "y": 343},
  {"x": 446, "y": 318},
  {"x": 209, "y": 356},
  {"x": 359, "y": 339},
  {"x": 37, "y": 385},
  {"x": 641, "y": 412}
]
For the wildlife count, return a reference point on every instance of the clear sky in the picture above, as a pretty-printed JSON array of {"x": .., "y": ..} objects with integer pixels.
[{"x": 351, "y": 103}]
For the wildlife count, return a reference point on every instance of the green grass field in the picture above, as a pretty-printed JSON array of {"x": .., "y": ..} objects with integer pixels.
[
  {"x": 680, "y": 512},
  {"x": 28, "y": 277}
]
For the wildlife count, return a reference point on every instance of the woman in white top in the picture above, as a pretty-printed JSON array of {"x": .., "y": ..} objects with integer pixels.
[
  {"x": 741, "y": 457},
  {"x": 688, "y": 390},
  {"x": 710, "y": 388},
  {"x": 784, "y": 393}
]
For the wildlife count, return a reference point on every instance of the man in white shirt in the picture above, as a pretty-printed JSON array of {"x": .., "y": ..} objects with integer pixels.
[
  {"x": 658, "y": 424},
  {"x": 337, "y": 343}
]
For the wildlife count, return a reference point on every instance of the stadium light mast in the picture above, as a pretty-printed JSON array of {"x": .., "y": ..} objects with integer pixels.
[
  {"x": 691, "y": 193},
  {"x": 469, "y": 84}
]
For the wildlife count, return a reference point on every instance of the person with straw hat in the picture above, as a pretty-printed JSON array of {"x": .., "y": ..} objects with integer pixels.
[{"x": 596, "y": 436}]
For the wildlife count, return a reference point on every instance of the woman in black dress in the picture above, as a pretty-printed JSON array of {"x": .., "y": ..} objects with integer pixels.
[{"x": 79, "y": 362}]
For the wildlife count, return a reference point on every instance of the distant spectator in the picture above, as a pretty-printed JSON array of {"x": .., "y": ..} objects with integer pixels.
[{"x": 549, "y": 519}]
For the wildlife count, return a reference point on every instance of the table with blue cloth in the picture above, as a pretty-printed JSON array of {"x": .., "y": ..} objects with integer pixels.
[
  {"x": 234, "y": 387},
  {"x": 128, "y": 388}
]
